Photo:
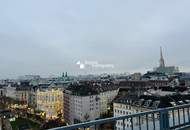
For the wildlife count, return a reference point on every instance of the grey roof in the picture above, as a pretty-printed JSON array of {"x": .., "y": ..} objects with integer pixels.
[{"x": 154, "y": 102}]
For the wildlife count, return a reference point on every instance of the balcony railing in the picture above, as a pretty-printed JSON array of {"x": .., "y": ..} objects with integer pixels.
[{"x": 161, "y": 119}]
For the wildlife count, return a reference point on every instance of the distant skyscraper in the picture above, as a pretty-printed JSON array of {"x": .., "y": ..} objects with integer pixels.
[{"x": 162, "y": 63}]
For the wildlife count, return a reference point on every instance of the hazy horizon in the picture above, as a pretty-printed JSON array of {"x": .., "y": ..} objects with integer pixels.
[{"x": 49, "y": 37}]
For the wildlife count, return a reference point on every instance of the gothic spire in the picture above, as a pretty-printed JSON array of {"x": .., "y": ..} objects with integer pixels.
[{"x": 162, "y": 64}]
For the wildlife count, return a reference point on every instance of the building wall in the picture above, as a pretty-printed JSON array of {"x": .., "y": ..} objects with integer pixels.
[
  {"x": 67, "y": 106},
  {"x": 22, "y": 96},
  {"x": 32, "y": 99},
  {"x": 51, "y": 102},
  {"x": 126, "y": 109},
  {"x": 105, "y": 99},
  {"x": 2, "y": 92},
  {"x": 84, "y": 108},
  {"x": 121, "y": 109},
  {"x": 11, "y": 92}
]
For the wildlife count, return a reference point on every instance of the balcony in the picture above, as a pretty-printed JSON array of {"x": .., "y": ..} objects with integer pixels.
[{"x": 161, "y": 119}]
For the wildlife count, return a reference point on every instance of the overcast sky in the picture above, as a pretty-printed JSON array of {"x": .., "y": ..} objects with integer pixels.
[{"x": 48, "y": 37}]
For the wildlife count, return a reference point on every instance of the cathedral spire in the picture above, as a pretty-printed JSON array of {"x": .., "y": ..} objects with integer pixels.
[{"x": 162, "y": 64}]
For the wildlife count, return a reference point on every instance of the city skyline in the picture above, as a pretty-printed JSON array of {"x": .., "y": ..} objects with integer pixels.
[{"x": 47, "y": 38}]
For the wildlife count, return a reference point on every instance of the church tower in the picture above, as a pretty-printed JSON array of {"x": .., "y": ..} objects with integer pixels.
[
  {"x": 170, "y": 70},
  {"x": 162, "y": 64}
]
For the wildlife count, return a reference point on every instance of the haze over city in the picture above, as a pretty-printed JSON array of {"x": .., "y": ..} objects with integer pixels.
[
  {"x": 94, "y": 65},
  {"x": 49, "y": 37}
]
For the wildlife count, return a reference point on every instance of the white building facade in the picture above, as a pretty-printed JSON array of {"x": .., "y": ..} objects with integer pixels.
[
  {"x": 84, "y": 108},
  {"x": 81, "y": 108}
]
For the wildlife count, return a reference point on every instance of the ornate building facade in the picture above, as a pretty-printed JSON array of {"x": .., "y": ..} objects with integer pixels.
[{"x": 51, "y": 102}]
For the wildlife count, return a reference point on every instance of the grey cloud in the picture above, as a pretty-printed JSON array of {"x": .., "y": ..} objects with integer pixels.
[{"x": 48, "y": 37}]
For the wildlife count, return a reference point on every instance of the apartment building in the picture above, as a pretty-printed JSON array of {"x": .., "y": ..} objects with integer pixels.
[
  {"x": 50, "y": 101},
  {"x": 87, "y": 102},
  {"x": 81, "y": 104},
  {"x": 127, "y": 105}
]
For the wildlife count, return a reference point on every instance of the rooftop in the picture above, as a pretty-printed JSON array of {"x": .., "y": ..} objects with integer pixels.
[
  {"x": 91, "y": 88},
  {"x": 154, "y": 102}
]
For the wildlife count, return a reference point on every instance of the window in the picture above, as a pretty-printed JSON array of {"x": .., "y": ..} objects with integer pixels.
[{"x": 52, "y": 99}]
